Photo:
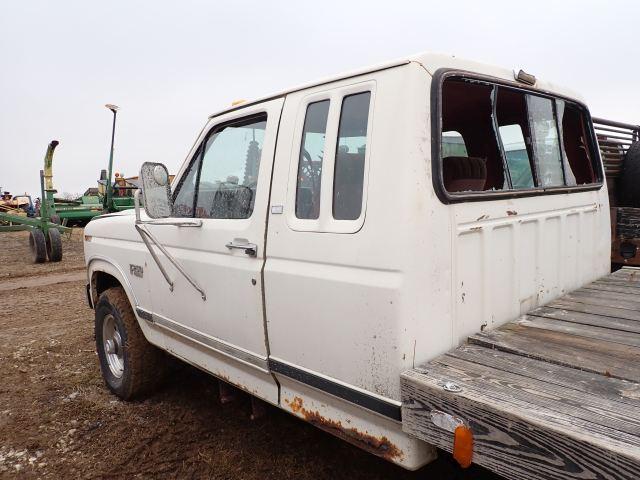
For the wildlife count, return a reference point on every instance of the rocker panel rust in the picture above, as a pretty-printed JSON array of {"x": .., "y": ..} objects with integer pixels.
[{"x": 379, "y": 446}]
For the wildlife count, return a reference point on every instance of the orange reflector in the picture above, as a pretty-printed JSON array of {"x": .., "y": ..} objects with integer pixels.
[{"x": 463, "y": 445}]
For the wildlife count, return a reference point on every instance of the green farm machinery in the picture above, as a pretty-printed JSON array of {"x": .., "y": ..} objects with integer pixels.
[
  {"x": 110, "y": 196},
  {"x": 56, "y": 215},
  {"x": 45, "y": 234},
  {"x": 59, "y": 211}
]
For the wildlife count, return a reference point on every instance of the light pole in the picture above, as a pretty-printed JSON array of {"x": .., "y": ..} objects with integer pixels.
[{"x": 107, "y": 197}]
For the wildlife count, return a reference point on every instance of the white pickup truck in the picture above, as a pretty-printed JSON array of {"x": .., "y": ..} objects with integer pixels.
[{"x": 320, "y": 241}]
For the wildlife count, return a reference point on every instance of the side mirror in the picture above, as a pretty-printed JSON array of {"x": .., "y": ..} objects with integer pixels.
[{"x": 156, "y": 192}]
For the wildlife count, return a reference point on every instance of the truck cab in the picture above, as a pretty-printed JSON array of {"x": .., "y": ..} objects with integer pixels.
[{"x": 318, "y": 242}]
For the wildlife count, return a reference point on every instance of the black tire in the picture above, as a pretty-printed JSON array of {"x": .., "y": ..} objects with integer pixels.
[
  {"x": 629, "y": 183},
  {"x": 54, "y": 245},
  {"x": 38, "y": 246},
  {"x": 144, "y": 365},
  {"x": 55, "y": 219}
]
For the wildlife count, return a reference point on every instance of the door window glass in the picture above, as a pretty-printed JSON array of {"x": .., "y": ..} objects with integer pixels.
[
  {"x": 546, "y": 145},
  {"x": 229, "y": 170},
  {"x": 351, "y": 147},
  {"x": 310, "y": 160}
]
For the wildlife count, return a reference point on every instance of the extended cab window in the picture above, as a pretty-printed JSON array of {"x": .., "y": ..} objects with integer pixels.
[
  {"x": 513, "y": 140},
  {"x": 310, "y": 160},
  {"x": 222, "y": 179},
  {"x": 348, "y": 176}
]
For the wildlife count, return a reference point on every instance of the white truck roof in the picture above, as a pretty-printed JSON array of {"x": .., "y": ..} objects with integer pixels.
[{"x": 431, "y": 62}]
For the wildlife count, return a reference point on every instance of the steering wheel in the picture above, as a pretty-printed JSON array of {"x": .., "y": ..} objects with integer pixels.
[{"x": 307, "y": 168}]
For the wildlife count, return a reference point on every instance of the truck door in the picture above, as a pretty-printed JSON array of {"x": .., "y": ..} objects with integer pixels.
[{"x": 225, "y": 183}]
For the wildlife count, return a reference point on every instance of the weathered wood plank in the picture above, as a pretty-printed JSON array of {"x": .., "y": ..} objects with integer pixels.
[
  {"x": 515, "y": 439},
  {"x": 616, "y": 281},
  {"x": 616, "y": 418},
  {"x": 629, "y": 274},
  {"x": 623, "y": 274},
  {"x": 596, "y": 309},
  {"x": 621, "y": 391},
  {"x": 613, "y": 288},
  {"x": 587, "y": 319},
  {"x": 603, "y": 301},
  {"x": 605, "y": 358},
  {"x": 625, "y": 297},
  {"x": 582, "y": 330}
]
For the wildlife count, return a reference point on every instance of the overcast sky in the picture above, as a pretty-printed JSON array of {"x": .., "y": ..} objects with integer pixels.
[{"x": 168, "y": 65}]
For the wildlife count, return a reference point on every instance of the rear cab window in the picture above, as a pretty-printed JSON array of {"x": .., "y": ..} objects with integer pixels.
[{"x": 497, "y": 140}]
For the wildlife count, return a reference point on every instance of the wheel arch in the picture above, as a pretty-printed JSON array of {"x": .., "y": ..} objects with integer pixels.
[{"x": 102, "y": 274}]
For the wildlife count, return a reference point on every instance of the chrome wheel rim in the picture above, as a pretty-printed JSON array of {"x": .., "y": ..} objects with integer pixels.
[{"x": 112, "y": 345}]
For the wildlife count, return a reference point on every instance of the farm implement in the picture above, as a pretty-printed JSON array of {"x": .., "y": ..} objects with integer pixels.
[
  {"x": 45, "y": 231},
  {"x": 56, "y": 215}
]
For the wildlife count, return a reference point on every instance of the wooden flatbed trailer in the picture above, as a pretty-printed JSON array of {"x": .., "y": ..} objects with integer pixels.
[{"x": 554, "y": 394}]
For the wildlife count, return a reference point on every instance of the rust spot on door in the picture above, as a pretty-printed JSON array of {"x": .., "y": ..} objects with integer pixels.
[
  {"x": 380, "y": 446},
  {"x": 511, "y": 213}
]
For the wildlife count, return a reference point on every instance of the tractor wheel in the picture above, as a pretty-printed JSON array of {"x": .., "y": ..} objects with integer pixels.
[
  {"x": 131, "y": 366},
  {"x": 54, "y": 245},
  {"x": 38, "y": 246},
  {"x": 630, "y": 178},
  {"x": 55, "y": 219}
]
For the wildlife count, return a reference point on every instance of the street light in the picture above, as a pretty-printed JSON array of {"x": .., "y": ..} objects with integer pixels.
[{"x": 114, "y": 109}]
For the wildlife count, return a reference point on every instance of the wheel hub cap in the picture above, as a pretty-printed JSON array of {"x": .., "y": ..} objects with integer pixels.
[{"x": 112, "y": 344}]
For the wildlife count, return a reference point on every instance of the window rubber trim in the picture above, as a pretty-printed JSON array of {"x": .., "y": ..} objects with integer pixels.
[{"x": 444, "y": 196}]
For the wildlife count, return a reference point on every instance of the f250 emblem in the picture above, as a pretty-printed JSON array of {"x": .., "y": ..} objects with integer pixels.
[{"x": 136, "y": 270}]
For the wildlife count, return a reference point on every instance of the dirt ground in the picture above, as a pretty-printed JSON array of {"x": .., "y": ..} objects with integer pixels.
[{"x": 58, "y": 420}]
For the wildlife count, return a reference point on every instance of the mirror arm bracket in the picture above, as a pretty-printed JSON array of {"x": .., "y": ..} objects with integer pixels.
[
  {"x": 148, "y": 238},
  {"x": 143, "y": 235}
]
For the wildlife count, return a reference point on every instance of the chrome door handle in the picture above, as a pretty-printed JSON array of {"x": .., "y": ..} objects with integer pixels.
[{"x": 250, "y": 249}]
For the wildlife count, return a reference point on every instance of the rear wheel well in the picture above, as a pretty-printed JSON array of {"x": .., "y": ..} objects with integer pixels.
[{"x": 101, "y": 281}]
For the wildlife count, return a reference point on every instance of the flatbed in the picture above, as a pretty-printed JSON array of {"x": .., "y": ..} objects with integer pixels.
[{"x": 554, "y": 394}]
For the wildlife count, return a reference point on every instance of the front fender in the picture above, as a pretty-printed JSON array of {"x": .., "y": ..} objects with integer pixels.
[{"x": 99, "y": 263}]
